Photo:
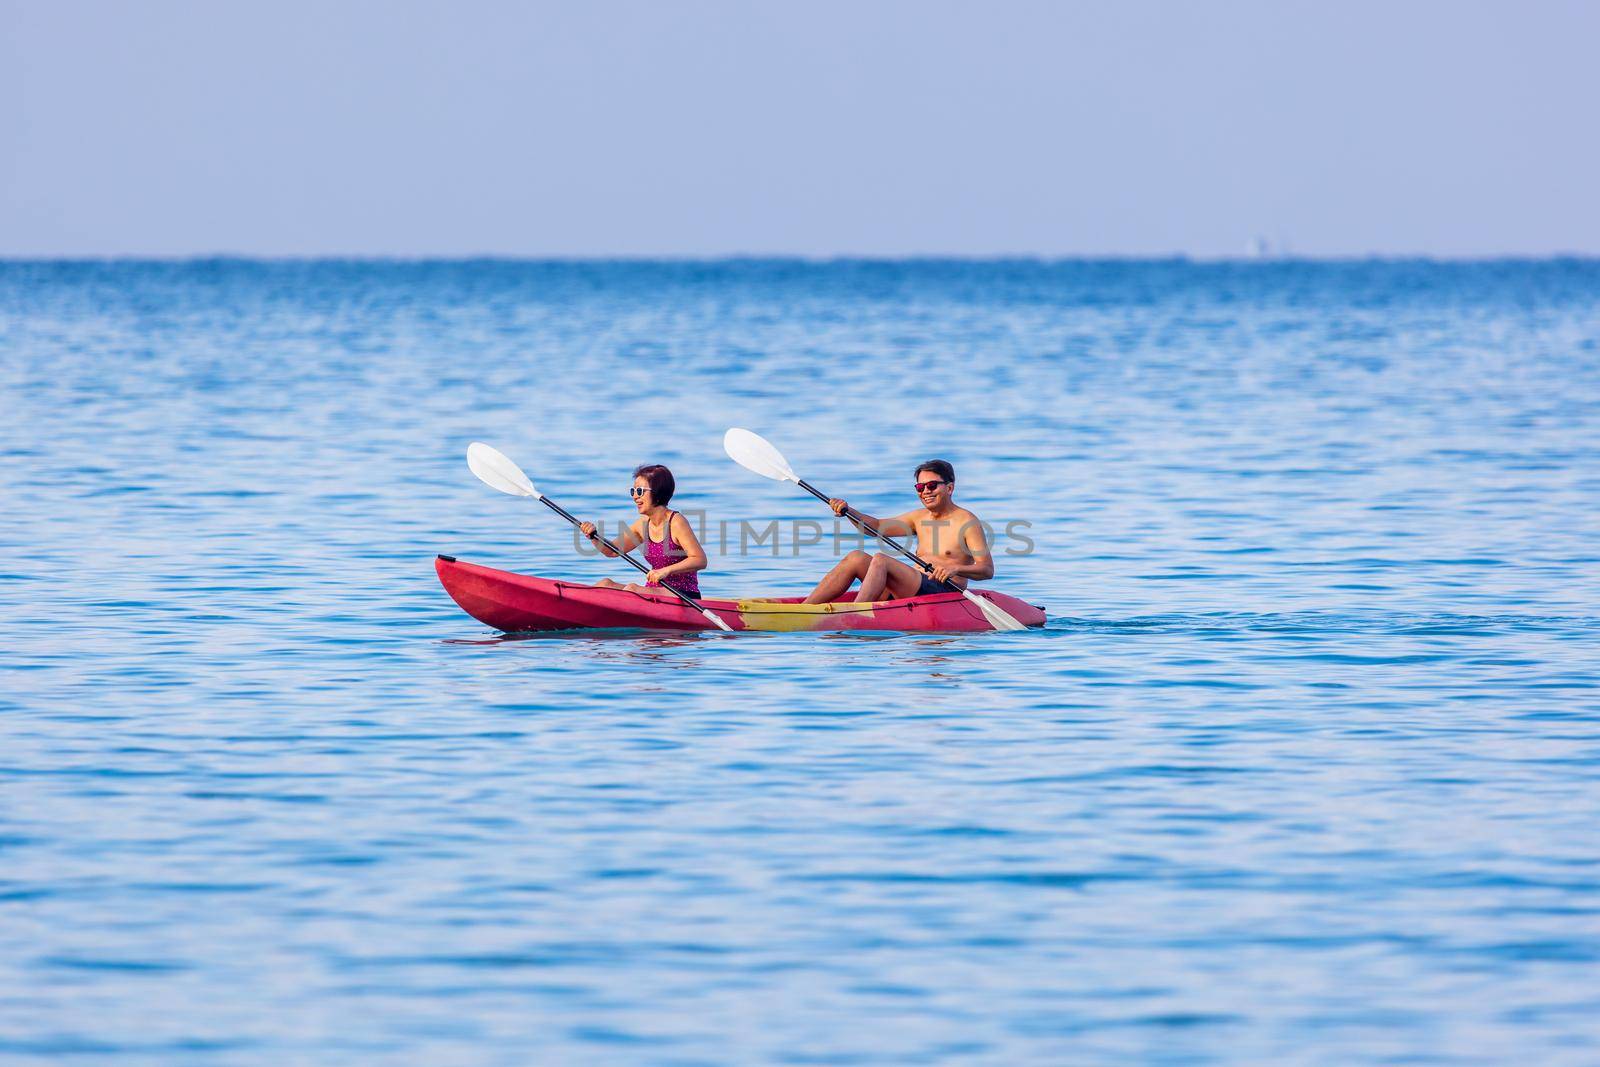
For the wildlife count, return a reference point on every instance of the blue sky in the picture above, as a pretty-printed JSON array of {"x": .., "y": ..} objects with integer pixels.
[{"x": 871, "y": 127}]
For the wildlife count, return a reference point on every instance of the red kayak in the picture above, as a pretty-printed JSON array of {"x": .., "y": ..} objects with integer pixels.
[{"x": 517, "y": 603}]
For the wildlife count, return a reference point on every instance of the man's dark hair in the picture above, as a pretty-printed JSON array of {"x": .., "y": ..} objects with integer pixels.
[
  {"x": 661, "y": 482},
  {"x": 939, "y": 467}
]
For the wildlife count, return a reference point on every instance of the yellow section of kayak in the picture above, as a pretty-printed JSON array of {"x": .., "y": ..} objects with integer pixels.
[{"x": 777, "y": 617}]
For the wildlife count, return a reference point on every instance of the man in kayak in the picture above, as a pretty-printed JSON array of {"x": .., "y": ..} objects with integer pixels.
[{"x": 949, "y": 538}]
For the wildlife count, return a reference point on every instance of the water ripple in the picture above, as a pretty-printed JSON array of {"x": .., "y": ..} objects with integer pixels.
[{"x": 1303, "y": 768}]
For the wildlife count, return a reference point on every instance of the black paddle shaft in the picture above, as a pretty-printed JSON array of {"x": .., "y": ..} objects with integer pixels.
[
  {"x": 855, "y": 516},
  {"x": 640, "y": 567}
]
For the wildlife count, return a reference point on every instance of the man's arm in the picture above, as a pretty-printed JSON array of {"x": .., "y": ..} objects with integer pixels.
[
  {"x": 982, "y": 566},
  {"x": 896, "y": 527},
  {"x": 899, "y": 526}
]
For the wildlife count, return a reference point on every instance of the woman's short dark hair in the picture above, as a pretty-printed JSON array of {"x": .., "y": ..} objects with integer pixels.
[
  {"x": 939, "y": 467},
  {"x": 660, "y": 481}
]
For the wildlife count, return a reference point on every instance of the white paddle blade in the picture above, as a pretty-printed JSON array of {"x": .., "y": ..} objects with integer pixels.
[
  {"x": 998, "y": 617},
  {"x": 720, "y": 624},
  {"x": 495, "y": 470},
  {"x": 755, "y": 453}
]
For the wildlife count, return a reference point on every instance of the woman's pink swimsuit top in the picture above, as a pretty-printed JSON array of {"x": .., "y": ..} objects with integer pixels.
[{"x": 664, "y": 553}]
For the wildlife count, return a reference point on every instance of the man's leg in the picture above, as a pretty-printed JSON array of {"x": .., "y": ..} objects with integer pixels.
[
  {"x": 888, "y": 579},
  {"x": 836, "y": 581}
]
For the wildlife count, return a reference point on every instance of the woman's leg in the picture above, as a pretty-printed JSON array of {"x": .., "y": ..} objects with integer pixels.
[{"x": 632, "y": 587}]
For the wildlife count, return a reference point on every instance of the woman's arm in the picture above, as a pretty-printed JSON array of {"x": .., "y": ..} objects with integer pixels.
[{"x": 626, "y": 541}]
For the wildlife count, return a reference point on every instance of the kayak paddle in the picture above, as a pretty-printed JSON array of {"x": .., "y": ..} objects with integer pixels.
[
  {"x": 496, "y": 470},
  {"x": 755, "y": 453}
]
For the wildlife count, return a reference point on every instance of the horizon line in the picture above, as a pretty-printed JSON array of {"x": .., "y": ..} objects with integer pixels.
[{"x": 796, "y": 257}]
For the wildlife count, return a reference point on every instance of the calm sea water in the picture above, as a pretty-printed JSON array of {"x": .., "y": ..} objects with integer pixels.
[{"x": 1303, "y": 770}]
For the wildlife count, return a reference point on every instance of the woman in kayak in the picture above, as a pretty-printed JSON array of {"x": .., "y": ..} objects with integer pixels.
[{"x": 670, "y": 546}]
